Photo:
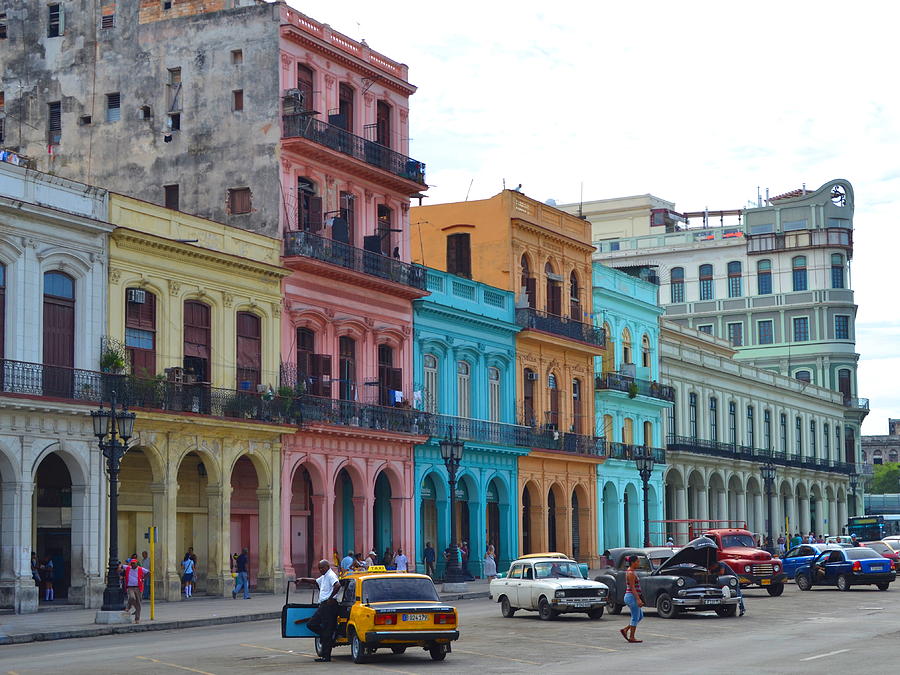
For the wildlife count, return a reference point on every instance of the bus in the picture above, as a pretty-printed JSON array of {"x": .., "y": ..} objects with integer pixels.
[{"x": 875, "y": 527}]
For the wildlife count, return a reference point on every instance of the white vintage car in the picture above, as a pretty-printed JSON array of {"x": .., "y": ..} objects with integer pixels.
[{"x": 549, "y": 586}]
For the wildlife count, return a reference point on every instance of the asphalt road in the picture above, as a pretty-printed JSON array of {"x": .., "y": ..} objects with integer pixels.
[{"x": 820, "y": 631}]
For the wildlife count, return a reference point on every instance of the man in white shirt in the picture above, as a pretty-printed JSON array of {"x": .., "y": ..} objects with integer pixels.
[
  {"x": 401, "y": 561},
  {"x": 324, "y": 621}
]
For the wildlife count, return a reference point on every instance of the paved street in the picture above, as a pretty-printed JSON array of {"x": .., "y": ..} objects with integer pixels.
[{"x": 821, "y": 631}]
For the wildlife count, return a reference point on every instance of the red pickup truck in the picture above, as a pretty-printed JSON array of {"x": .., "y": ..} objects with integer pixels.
[{"x": 753, "y": 566}]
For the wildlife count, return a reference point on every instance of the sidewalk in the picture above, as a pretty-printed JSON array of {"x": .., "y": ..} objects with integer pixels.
[{"x": 62, "y": 624}]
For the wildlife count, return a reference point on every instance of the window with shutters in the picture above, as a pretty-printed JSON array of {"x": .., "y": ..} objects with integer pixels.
[
  {"x": 237, "y": 100},
  {"x": 782, "y": 432},
  {"x": 528, "y": 283},
  {"x": 59, "y": 334},
  {"x": 385, "y": 216},
  {"x": 237, "y": 57},
  {"x": 54, "y": 21},
  {"x": 798, "y": 272},
  {"x": 798, "y": 435},
  {"x": 249, "y": 351},
  {"x": 692, "y": 414},
  {"x": 671, "y": 421},
  {"x": 197, "y": 340},
  {"x": 494, "y": 394},
  {"x": 140, "y": 331},
  {"x": 171, "y": 197},
  {"x": 554, "y": 291},
  {"x": 767, "y": 430},
  {"x": 706, "y": 282},
  {"x": 751, "y": 427},
  {"x": 173, "y": 90},
  {"x": 764, "y": 277},
  {"x": 812, "y": 438},
  {"x": 306, "y": 347},
  {"x": 837, "y": 270},
  {"x": 676, "y": 284},
  {"x": 239, "y": 201},
  {"x": 626, "y": 346},
  {"x": 844, "y": 384},
  {"x": 344, "y": 117},
  {"x": 113, "y": 107},
  {"x": 735, "y": 289},
  {"x": 347, "y": 368},
  {"x": 431, "y": 383},
  {"x": 343, "y": 228},
  {"x": 826, "y": 440},
  {"x": 577, "y": 419},
  {"x": 528, "y": 410},
  {"x": 575, "y": 298},
  {"x": 309, "y": 205},
  {"x": 552, "y": 416},
  {"x": 305, "y": 78},
  {"x": 383, "y": 123},
  {"x": 713, "y": 418},
  {"x": 54, "y": 122},
  {"x": 732, "y": 423},
  {"x": 463, "y": 389},
  {"x": 390, "y": 379},
  {"x": 645, "y": 351},
  {"x": 459, "y": 255}
]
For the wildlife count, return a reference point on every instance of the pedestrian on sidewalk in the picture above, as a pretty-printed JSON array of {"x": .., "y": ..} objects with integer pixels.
[
  {"x": 35, "y": 569},
  {"x": 46, "y": 571},
  {"x": 134, "y": 587},
  {"x": 187, "y": 575},
  {"x": 324, "y": 621},
  {"x": 401, "y": 562},
  {"x": 490, "y": 563},
  {"x": 242, "y": 565},
  {"x": 429, "y": 559},
  {"x": 633, "y": 599},
  {"x": 145, "y": 563}
]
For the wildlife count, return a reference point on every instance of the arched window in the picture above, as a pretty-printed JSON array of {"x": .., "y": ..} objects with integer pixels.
[
  {"x": 892, "y": 456},
  {"x": 577, "y": 418},
  {"x": 608, "y": 428},
  {"x": 575, "y": 297},
  {"x": 528, "y": 413},
  {"x": 529, "y": 283},
  {"x": 383, "y": 123},
  {"x": 798, "y": 269},
  {"x": 626, "y": 346},
  {"x": 249, "y": 351},
  {"x": 764, "y": 277},
  {"x": 197, "y": 340},
  {"x": 837, "y": 270},
  {"x": 803, "y": 376},
  {"x": 554, "y": 291},
  {"x": 628, "y": 431},
  {"x": 645, "y": 351},
  {"x": 706, "y": 282},
  {"x": 430, "y": 363},
  {"x": 494, "y": 394},
  {"x": 676, "y": 284},
  {"x": 713, "y": 418},
  {"x": 735, "y": 289},
  {"x": 347, "y": 368},
  {"x": 344, "y": 118},
  {"x": 553, "y": 413},
  {"x": 305, "y": 85},
  {"x": 463, "y": 389},
  {"x": 309, "y": 205},
  {"x": 876, "y": 457},
  {"x": 59, "y": 334}
]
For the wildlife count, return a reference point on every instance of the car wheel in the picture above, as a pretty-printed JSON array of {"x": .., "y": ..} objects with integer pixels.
[
  {"x": 506, "y": 609},
  {"x": 438, "y": 652},
  {"x": 665, "y": 607},
  {"x": 357, "y": 649},
  {"x": 318, "y": 646},
  {"x": 545, "y": 611},
  {"x": 803, "y": 582},
  {"x": 615, "y": 608},
  {"x": 727, "y": 610},
  {"x": 595, "y": 613},
  {"x": 775, "y": 590},
  {"x": 883, "y": 587},
  {"x": 843, "y": 583},
  {"x": 398, "y": 650}
]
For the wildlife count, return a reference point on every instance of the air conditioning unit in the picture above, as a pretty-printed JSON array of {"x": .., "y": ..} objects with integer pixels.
[
  {"x": 533, "y": 376},
  {"x": 137, "y": 296}
]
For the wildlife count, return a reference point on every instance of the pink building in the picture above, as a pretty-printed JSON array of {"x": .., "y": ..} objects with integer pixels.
[{"x": 347, "y": 476}]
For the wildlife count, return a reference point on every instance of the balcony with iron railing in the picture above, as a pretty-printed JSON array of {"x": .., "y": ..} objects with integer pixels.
[
  {"x": 634, "y": 387},
  {"x": 528, "y": 317},
  {"x": 631, "y": 452},
  {"x": 303, "y": 124},
  {"x": 479, "y": 431},
  {"x": 307, "y": 244},
  {"x": 856, "y": 403},
  {"x": 747, "y": 453}
]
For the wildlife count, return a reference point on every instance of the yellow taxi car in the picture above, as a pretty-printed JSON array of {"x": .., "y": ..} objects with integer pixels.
[{"x": 381, "y": 609}]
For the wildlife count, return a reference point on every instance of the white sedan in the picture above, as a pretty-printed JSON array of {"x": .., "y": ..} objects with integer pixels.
[{"x": 549, "y": 586}]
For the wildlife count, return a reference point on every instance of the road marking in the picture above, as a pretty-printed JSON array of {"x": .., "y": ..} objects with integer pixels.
[
  {"x": 871, "y": 607},
  {"x": 293, "y": 653},
  {"x": 494, "y": 656},
  {"x": 173, "y": 665},
  {"x": 822, "y": 656},
  {"x": 572, "y": 644}
]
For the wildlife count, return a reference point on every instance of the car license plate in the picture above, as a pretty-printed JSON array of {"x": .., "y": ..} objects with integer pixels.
[
  {"x": 711, "y": 602},
  {"x": 581, "y": 604},
  {"x": 415, "y": 617},
  {"x": 877, "y": 568},
  {"x": 765, "y": 582}
]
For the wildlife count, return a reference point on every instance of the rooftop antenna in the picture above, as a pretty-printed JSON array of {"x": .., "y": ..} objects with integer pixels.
[
  {"x": 470, "y": 188},
  {"x": 758, "y": 197},
  {"x": 504, "y": 183},
  {"x": 767, "y": 196},
  {"x": 581, "y": 201}
]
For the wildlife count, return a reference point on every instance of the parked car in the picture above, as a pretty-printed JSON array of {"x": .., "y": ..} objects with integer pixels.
[
  {"x": 846, "y": 567},
  {"x": 673, "y": 582},
  {"x": 886, "y": 550},
  {"x": 754, "y": 566},
  {"x": 802, "y": 555},
  {"x": 840, "y": 539},
  {"x": 380, "y": 609},
  {"x": 549, "y": 586}
]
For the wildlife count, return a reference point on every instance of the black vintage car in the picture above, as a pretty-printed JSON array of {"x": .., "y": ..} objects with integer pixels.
[{"x": 672, "y": 582}]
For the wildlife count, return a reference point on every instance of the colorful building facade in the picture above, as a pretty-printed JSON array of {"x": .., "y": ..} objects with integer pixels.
[{"x": 465, "y": 362}]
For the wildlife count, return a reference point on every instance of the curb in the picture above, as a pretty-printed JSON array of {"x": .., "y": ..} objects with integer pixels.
[{"x": 473, "y": 595}]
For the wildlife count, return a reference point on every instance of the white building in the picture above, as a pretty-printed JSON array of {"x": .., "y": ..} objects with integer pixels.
[{"x": 53, "y": 280}]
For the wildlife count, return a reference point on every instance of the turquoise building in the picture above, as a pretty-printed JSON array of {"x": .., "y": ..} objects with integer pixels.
[
  {"x": 464, "y": 373},
  {"x": 629, "y": 403}
]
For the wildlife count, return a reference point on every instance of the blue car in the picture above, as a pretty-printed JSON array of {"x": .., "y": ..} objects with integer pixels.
[
  {"x": 846, "y": 567},
  {"x": 802, "y": 555}
]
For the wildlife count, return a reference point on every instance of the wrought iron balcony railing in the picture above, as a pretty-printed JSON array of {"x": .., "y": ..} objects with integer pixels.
[
  {"x": 728, "y": 451},
  {"x": 303, "y": 125},
  {"x": 549, "y": 439},
  {"x": 349, "y": 257},
  {"x": 528, "y": 317},
  {"x": 322, "y": 410},
  {"x": 856, "y": 403},
  {"x": 630, "y": 385},
  {"x": 627, "y": 451},
  {"x": 482, "y": 431}
]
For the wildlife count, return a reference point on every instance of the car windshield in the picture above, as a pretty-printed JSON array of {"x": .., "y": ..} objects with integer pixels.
[
  {"x": 730, "y": 540},
  {"x": 399, "y": 590},
  {"x": 879, "y": 547},
  {"x": 557, "y": 570},
  {"x": 860, "y": 553},
  {"x": 895, "y": 545}
]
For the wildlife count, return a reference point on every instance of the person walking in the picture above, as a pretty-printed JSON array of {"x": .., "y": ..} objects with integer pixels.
[
  {"x": 428, "y": 557},
  {"x": 242, "y": 581},
  {"x": 187, "y": 575},
  {"x": 401, "y": 562},
  {"x": 324, "y": 621},
  {"x": 133, "y": 577},
  {"x": 145, "y": 563},
  {"x": 490, "y": 563},
  {"x": 633, "y": 599}
]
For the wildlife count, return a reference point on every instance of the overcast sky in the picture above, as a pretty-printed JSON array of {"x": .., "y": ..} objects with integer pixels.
[{"x": 698, "y": 103}]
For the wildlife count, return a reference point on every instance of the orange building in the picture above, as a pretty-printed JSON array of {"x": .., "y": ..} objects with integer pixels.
[{"x": 543, "y": 255}]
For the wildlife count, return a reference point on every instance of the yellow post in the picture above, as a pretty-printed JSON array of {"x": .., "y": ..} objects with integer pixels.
[{"x": 152, "y": 574}]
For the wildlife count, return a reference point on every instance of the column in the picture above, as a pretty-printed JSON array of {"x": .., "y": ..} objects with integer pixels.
[
  {"x": 265, "y": 575},
  {"x": 286, "y": 497},
  {"x": 842, "y": 516},
  {"x": 218, "y": 577},
  {"x": 168, "y": 576},
  {"x": 17, "y": 589},
  {"x": 740, "y": 499},
  {"x": 834, "y": 527},
  {"x": 400, "y": 538},
  {"x": 759, "y": 511},
  {"x": 81, "y": 526},
  {"x": 820, "y": 517},
  {"x": 681, "y": 512},
  {"x": 722, "y": 504},
  {"x": 321, "y": 534},
  {"x": 508, "y": 537},
  {"x": 703, "y": 502},
  {"x": 805, "y": 525},
  {"x": 478, "y": 533}
]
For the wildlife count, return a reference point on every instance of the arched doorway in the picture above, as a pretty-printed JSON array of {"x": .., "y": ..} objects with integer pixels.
[
  {"x": 551, "y": 521},
  {"x": 428, "y": 519},
  {"x": 493, "y": 521},
  {"x": 527, "y": 545},
  {"x": 581, "y": 518},
  {"x": 136, "y": 506},
  {"x": 382, "y": 515},
  {"x": 53, "y": 523},
  {"x": 576, "y": 535},
  {"x": 610, "y": 517},
  {"x": 466, "y": 526},
  {"x": 345, "y": 516},
  {"x": 192, "y": 519},
  {"x": 245, "y": 514},
  {"x": 302, "y": 520},
  {"x": 632, "y": 508}
]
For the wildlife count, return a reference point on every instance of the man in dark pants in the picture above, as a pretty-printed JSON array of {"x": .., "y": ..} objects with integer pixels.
[{"x": 324, "y": 622}]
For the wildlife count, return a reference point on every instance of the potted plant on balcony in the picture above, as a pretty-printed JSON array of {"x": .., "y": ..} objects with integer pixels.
[
  {"x": 632, "y": 390},
  {"x": 112, "y": 361}
]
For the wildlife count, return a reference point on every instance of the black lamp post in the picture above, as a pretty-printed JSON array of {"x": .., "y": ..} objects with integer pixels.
[
  {"x": 643, "y": 457},
  {"x": 768, "y": 474},
  {"x": 854, "y": 485},
  {"x": 451, "y": 453},
  {"x": 113, "y": 428}
]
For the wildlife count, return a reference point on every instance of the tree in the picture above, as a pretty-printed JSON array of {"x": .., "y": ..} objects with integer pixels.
[{"x": 886, "y": 479}]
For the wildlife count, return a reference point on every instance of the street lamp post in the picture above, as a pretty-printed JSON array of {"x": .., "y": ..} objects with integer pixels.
[
  {"x": 854, "y": 485},
  {"x": 768, "y": 474},
  {"x": 451, "y": 453},
  {"x": 644, "y": 460},
  {"x": 113, "y": 429}
]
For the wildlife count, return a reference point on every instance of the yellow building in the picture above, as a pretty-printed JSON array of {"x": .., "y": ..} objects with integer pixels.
[
  {"x": 195, "y": 323},
  {"x": 543, "y": 255}
]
